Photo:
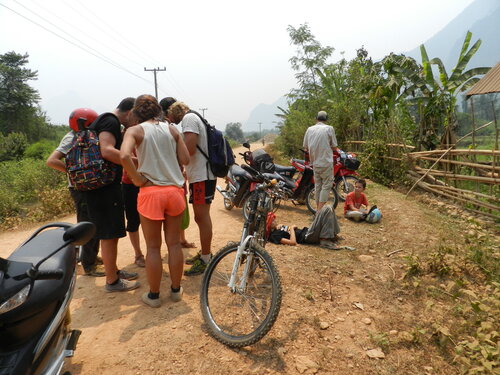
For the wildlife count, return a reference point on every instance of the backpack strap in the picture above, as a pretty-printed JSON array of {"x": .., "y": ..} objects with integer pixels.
[{"x": 207, "y": 126}]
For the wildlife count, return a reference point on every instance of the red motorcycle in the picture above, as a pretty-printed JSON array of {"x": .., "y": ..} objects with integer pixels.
[{"x": 344, "y": 170}]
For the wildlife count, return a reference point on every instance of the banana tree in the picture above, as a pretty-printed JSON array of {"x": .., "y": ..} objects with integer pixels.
[{"x": 439, "y": 96}]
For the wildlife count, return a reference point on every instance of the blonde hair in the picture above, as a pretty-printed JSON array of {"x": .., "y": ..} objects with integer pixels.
[{"x": 178, "y": 110}]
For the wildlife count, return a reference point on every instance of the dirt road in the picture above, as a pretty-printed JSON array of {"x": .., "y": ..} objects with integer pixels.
[{"x": 335, "y": 304}]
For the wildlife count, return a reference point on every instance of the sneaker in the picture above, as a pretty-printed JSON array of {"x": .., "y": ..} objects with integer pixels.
[
  {"x": 140, "y": 261},
  {"x": 197, "y": 268},
  {"x": 193, "y": 259},
  {"x": 122, "y": 286},
  {"x": 122, "y": 274},
  {"x": 150, "y": 302},
  {"x": 176, "y": 296},
  {"x": 94, "y": 271}
]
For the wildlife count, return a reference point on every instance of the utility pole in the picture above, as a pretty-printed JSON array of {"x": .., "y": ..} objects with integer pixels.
[
  {"x": 203, "y": 111},
  {"x": 154, "y": 70},
  {"x": 260, "y": 129}
]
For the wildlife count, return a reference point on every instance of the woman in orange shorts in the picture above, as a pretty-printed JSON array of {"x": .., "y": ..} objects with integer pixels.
[{"x": 160, "y": 152}]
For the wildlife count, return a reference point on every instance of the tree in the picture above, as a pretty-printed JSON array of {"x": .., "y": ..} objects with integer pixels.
[
  {"x": 310, "y": 57},
  {"x": 438, "y": 98},
  {"x": 18, "y": 100},
  {"x": 234, "y": 131}
]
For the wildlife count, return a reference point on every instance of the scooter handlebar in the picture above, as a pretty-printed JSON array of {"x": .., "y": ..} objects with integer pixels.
[{"x": 50, "y": 275}]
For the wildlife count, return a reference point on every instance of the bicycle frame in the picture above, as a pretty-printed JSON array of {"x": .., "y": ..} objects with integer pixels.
[{"x": 246, "y": 237}]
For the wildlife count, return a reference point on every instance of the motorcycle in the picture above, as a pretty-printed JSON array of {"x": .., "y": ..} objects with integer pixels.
[
  {"x": 298, "y": 185},
  {"x": 240, "y": 184},
  {"x": 344, "y": 170},
  {"x": 36, "y": 286}
]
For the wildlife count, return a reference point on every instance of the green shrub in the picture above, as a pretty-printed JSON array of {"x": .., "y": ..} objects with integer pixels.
[{"x": 39, "y": 150}]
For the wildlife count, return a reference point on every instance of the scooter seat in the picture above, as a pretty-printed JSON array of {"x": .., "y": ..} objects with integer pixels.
[
  {"x": 300, "y": 161},
  {"x": 45, "y": 292},
  {"x": 285, "y": 170},
  {"x": 236, "y": 170}
]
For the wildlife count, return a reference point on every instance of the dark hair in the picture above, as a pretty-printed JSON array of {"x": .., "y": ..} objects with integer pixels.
[
  {"x": 146, "y": 107},
  {"x": 126, "y": 104},
  {"x": 165, "y": 103},
  {"x": 362, "y": 182}
]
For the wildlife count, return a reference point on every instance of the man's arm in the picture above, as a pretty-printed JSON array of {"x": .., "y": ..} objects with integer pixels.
[
  {"x": 292, "y": 241},
  {"x": 191, "y": 140},
  {"x": 108, "y": 150},
  {"x": 54, "y": 161}
]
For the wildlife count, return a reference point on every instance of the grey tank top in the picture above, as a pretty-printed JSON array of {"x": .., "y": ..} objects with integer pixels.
[{"x": 157, "y": 155}]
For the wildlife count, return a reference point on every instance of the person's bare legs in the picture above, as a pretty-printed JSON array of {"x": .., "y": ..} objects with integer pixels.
[
  {"x": 109, "y": 250},
  {"x": 152, "y": 235},
  {"x": 136, "y": 244},
  {"x": 204, "y": 222},
  {"x": 175, "y": 255}
]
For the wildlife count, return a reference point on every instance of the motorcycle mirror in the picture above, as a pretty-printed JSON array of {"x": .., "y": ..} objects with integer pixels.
[
  {"x": 79, "y": 234},
  {"x": 247, "y": 145}
]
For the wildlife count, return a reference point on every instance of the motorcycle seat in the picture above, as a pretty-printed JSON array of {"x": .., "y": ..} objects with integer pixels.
[
  {"x": 45, "y": 292},
  {"x": 236, "y": 170},
  {"x": 286, "y": 170},
  {"x": 299, "y": 161}
]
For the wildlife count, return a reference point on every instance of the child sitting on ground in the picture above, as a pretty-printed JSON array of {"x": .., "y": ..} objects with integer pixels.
[{"x": 356, "y": 205}]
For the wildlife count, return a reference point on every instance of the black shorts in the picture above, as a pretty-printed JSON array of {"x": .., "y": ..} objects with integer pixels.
[
  {"x": 202, "y": 192},
  {"x": 105, "y": 209},
  {"x": 130, "y": 192}
]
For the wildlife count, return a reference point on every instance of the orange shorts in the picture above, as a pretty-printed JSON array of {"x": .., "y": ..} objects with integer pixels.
[{"x": 156, "y": 202}]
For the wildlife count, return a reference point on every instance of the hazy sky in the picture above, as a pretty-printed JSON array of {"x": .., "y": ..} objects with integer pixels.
[{"x": 226, "y": 56}]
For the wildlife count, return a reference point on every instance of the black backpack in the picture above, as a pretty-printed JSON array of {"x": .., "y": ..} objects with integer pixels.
[{"x": 220, "y": 155}]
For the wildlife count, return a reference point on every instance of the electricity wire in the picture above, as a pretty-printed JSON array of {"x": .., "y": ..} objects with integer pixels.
[{"x": 76, "y": 45}]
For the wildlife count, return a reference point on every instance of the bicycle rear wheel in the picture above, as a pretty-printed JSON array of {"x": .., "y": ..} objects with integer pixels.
[{"x": 241, "y": 317}]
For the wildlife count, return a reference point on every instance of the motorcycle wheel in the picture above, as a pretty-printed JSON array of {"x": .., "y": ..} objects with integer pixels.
[
  {"x": 345, "y": 186},
  {"x": 228, "y": 204},
  {"x": 333, "y": 199}
]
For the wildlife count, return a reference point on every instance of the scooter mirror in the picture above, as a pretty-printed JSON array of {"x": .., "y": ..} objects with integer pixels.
[
  {"x": 79, "y": 234},
  {"x": 247, "y": 145}
]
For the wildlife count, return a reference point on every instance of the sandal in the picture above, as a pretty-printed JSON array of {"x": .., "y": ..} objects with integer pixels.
[
  {"x": 140, "y": 262},
  {"x": 188, "y": 245}
]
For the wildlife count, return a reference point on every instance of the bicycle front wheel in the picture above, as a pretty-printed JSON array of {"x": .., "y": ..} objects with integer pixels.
[{"x": 243, "y": 316}]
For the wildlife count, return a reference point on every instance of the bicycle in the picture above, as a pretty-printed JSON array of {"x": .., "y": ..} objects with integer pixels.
[{"x": 241, "y": 290}]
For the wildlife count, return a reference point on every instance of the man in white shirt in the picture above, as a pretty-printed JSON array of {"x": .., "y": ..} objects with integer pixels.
[
  {"x": 202, "y": 182},
  {"x": 320, "y": 142}
]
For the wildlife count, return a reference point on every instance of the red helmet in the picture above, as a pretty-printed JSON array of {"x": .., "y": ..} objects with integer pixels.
[{"x": 81, "y": 118}]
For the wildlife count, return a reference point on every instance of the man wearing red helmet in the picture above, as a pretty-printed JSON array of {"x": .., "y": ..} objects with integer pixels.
[{"x": 79, "y": 118}]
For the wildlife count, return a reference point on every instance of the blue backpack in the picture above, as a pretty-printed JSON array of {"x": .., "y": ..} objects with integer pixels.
[{"x": 220, "y": 155}]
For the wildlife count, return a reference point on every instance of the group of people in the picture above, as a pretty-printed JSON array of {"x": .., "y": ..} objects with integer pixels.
[
  {"x": 320, "y": 143},
  {"x": 157, "y": 166},
  {"x": 153, "y": 160}
]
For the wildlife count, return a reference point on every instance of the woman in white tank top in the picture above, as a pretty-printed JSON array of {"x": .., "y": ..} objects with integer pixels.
[{"x": 160, "y": 152}]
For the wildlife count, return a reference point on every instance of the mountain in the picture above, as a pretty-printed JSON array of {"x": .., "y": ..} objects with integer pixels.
[
  {"x": 482, "y": 18},
  {"x": 265, "y": 114}
]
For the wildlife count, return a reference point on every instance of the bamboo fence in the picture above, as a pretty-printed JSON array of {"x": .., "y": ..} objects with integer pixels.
[{"x": 454, "y": 174}]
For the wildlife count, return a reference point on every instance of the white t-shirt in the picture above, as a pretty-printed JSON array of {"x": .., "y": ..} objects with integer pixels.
[
  {"x": 198, "y": 168},
  {"x": 65, "y": 144},
  {"x": 319, "y": 140}
]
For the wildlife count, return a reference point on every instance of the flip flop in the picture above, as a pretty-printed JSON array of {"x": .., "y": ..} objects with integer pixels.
[{"x": 188, "y": 245}]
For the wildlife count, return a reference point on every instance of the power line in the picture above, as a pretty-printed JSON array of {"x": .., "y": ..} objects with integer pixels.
[
  {"x": 72, "y": 25},
  {"x": 109, "y": 61}
]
